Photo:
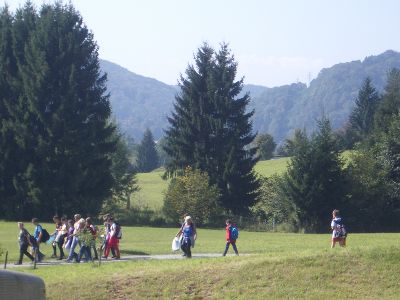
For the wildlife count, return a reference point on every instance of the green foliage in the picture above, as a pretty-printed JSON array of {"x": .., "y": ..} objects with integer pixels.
[
  {"x": 265, "y": 146},
  {"x": 362, "y": 116},
  {"x": 124, "y": 175},
  {"x": 390, "y": 104},
  {"x": 191, "y": 193},
  {"x": 210, "y": 128},
  {"x": 56, "y": 138},
  {"x": 315, "y": 181},
  {"x": 291, "y": 145},
  {"x": 147, "y": 156},
  {"x": 272, "y": 205}
]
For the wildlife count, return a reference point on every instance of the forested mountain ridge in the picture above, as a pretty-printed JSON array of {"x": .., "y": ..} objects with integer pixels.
[{"x": 139, "y": 102}]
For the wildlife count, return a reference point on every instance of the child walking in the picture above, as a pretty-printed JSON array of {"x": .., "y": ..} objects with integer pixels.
[
  {"x": 339, "y": 233},
  {"x": 24, "y": 241},
  {"x": 231, "y": 236}
]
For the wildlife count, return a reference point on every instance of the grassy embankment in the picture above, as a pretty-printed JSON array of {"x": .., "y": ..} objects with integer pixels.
[{"x": 281, "y": 266}]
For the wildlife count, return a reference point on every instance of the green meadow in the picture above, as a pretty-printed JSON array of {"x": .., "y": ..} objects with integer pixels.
[
  {"x": 152, "y": 186},
  {"x": 272, "y": 265}
]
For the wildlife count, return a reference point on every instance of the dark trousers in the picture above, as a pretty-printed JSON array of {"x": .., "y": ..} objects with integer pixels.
[
  {"x": 185, "y": 246},
  {"x": 233, "y": 246},
  {"x": 59, "y": 244},
  {"x": 23, "y": 249}
]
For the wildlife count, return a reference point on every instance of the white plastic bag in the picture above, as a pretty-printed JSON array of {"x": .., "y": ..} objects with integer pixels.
[{"x": 176, "y": 244}]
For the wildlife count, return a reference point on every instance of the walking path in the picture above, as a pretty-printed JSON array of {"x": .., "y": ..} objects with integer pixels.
[{"x": 123, "y": 258}]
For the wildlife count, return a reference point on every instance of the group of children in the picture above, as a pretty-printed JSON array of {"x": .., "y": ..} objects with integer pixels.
[
  {"x": 71, "y": 233},
  {"x": 68, "y": 235}
]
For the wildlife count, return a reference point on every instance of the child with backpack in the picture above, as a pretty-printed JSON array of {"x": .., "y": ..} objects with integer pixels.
[
  {"x": 339, "y": 233},
  {"x": 24, "y": 239},
  {"x": 113, "y": 239},
  {"x": 41, "y": 236},
  {"x": 232, "y": 234}
]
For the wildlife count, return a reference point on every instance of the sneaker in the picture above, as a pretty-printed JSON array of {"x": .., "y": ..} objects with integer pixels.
[
  {"x": 53, "y": 256},
  {"x": 18, "y": 263},
  {"x": 116, "y": 258}
]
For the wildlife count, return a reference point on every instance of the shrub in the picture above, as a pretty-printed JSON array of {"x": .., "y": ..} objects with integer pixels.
[{"x": 191, "y": 193}]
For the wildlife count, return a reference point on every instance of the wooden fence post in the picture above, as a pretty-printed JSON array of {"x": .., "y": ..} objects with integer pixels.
[{"x": 5, "y": 260}]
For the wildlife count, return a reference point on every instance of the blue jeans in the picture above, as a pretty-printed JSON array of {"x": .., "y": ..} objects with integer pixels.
[
  {"x": 85, "y": 250},
  {"x": 72, "y": 253}
]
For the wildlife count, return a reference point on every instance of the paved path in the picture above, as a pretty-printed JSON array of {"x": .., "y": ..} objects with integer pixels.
[{"x": 123, "y": 258}]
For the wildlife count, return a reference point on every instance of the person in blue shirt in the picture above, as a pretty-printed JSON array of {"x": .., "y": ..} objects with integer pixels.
[
  {"x": 37, "y": 234},
  {"x": 189, "y": 235}
]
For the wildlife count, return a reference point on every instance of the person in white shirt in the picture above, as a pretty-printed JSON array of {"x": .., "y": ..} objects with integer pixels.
[{"x": 338, "y": 230}]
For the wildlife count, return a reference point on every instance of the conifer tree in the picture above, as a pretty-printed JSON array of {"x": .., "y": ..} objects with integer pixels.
[
  {"x": 314, "y": 179},
  {"x": 362, "y": 116},
  {"x": 69, "y": 111},
  {"x": 390, "y": 104},
  {"x": 210, "y": 129},
  {"x": 147, "y": 158}
]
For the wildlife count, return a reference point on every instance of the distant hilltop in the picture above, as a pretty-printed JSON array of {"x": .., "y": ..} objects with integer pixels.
[{"x": 139, "y": 102}]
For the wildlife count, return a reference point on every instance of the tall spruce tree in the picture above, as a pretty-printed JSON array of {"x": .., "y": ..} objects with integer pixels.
[
  {"x": 147, "y": 156},
  {"x": 68, "y": 108},
  {"x": 7, "y": 99},
  {"x": 362, "y": 116},
  {"x": 210, "y": 128},
  {"x": 389, "y": 106},
  {"x": 314, "y": 179}
]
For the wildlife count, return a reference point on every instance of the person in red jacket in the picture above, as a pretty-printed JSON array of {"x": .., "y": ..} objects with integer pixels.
[{"x": 229, "y": 239}]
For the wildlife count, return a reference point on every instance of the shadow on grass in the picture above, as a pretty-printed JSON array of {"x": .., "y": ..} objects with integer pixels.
[{"x": 133, "y": 252}]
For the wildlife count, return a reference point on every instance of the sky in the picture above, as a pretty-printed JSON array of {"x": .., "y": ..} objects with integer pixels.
[{"x": 274, "y": 42}]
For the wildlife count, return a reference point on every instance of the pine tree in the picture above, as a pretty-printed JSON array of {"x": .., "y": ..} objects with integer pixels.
[
  {"x": 7, "y": 99},
  {"x": 210, "y": 129},
  {"x": 68, "y": 113},
  {"x": 147, "y": 157},
  {"x": 123, "y": 172},
  {"x": 314, "y": 180},
  {"x": 362, "y": 116},
  {"x": 390, "y": 104}
]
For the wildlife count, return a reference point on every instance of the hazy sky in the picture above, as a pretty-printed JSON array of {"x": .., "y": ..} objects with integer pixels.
[{"x": 275, "y": 42}]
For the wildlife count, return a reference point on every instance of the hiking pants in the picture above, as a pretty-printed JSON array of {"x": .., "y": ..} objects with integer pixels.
[{"x": 233, "y": 246}]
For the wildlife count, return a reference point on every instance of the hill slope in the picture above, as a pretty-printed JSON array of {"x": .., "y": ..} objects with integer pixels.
[{"x": 139, "y": 102}]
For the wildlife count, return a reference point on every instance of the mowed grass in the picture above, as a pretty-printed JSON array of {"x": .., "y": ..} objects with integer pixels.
[
  {"x": 279, "y": 265},
  {"x": 152, "y": 186}
]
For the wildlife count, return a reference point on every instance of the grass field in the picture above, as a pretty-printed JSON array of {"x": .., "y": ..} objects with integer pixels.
[
  {"x": 152, "y": 186},
  {"x": 280, "y": 266}
]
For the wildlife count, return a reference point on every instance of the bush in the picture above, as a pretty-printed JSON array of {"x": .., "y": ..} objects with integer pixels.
[{"x": 191, "y": 193}]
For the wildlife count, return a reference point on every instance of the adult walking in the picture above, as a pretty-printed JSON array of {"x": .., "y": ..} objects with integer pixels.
[{"x": 189, "y": 235}]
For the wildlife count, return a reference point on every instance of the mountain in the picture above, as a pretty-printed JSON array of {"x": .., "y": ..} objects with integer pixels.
[{"x": 139, "y": 102}]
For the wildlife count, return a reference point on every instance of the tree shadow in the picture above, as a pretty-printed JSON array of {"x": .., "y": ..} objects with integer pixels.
[{"x": 133, "y": 252}]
